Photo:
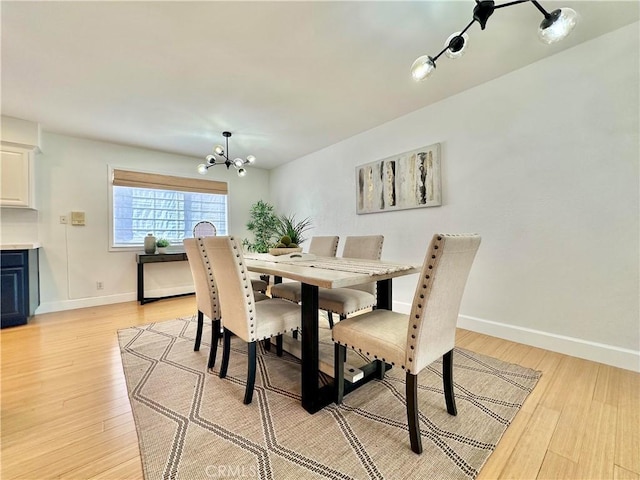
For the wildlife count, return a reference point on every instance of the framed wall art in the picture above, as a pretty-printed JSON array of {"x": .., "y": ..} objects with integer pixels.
[{"x": 406, "y": 180}]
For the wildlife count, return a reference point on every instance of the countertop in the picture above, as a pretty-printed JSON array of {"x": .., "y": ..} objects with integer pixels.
[{"x": 20, "y": 246}]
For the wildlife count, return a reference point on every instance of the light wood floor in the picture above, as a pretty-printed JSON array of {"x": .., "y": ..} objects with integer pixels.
[{"x": 65, "y": 411}]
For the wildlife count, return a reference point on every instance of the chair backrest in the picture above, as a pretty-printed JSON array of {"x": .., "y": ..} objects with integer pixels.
[
  {"x": 367, "y": 247},
  {"x": 234, "y": 286},
  {"x": 205, "y": 285},
  {"x": 204, "y": 229},
  {"x": 324, "y": 246},
  {"x": 436, "y": 303}
]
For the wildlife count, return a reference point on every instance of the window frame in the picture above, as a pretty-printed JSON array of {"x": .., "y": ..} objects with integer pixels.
[{"x": 183, "y": 183}]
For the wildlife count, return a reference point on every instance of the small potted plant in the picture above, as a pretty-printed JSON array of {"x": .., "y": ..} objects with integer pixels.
[
  {"x": 162, "y": 244},
  {"x": 290, "y": 231},
  {"x": 288, "y": 226}
]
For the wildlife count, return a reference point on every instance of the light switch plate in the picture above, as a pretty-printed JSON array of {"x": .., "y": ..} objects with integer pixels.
[{"x": 77, "y": 218}]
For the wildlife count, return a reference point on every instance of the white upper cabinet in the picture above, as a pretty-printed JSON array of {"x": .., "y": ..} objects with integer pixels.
[
  {"x": 20, "y": 142},
  {"x": 16, "y": 177}
]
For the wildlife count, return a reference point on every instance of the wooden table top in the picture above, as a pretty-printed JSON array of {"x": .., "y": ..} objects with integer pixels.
[{"x": 330, "y": 277}]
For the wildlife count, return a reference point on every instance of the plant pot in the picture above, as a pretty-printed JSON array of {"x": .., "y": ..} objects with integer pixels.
[{"x": 162, "y": 249}]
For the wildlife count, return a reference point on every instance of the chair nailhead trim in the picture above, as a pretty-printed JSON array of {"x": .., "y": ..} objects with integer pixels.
[{"x": 419, "y": 306}]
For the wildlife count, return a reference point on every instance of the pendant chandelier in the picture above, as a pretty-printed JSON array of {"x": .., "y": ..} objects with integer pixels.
[
  {"x": 221, "y": 157},
  {"x": 554, "y": 27}
]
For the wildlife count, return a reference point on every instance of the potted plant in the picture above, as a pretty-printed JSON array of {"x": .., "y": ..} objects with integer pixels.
[
  {"x": 263, "y": 224},
  {"x": 162, "y": 244},
  {"x": 289, "y": 227}
]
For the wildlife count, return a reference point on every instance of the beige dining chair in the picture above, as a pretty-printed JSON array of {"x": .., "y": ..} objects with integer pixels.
[
  {"x": 206, "y": 295},
  {"x": 319, "y": 246},
  {"x": 414, "y": 341},
  {"x": 345, "y": 301},
  {"x": 205, "y": 228},
  {"x": 251, "y": 321}
]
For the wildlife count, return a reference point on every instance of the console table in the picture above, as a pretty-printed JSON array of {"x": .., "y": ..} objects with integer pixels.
[{"x": 144, "y": 258}]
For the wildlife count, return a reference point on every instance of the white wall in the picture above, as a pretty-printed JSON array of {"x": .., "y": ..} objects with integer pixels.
[
  {"x": 72, "y": 174},
  {"x": 543, "y": 163}
]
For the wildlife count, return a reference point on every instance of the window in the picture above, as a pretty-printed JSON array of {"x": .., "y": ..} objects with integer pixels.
[{"x": 167, "y": 206}]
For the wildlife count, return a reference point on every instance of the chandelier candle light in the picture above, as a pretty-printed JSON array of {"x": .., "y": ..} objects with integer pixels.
[
  {"x": 221, "y": 157},
  {"x": 554, "y": 27}
]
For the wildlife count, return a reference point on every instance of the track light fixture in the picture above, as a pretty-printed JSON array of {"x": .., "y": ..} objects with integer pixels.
[
  {"x": 223, "y": 153},
  {"x": 554, "y": 27}
]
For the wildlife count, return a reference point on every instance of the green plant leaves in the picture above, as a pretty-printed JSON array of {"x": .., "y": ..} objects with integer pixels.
[
  {"x": 290, "y": 227},
  {"x": 263, "y": 224},
  {"x": 268, "y": 228}
]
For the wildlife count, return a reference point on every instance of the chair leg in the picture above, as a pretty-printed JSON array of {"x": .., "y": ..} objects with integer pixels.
[
  {"x": 340, "y": 352},
  {"x": 279, "y": 345},
  {"x": 330, "y": 316},
  {"x": 251, "y": 373},
  {"x": 196, "y": 346},
  {"x": 226, "y": 351},
  {"x": 215, "y": 336},
  {"x": 295, "y": 334},
  {"x": 267, "y": 344},
  {"x": 447, "y": 378},
  {"x": 380, "y": 369},
  {"x": 412, "y": 413}
]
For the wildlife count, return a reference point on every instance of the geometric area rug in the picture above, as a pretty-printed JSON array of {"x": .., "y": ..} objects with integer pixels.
[{"x": 191, "y": 424}]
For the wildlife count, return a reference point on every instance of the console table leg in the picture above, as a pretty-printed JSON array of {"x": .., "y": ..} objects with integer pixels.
[{"x": 141, "y": 283}]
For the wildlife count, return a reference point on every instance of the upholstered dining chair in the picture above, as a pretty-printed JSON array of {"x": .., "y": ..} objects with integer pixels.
[
  {"x": 205, "y": 228},
  {"x": 416, "y": 340},
  {"x": 243, "y": 316},
  {"x": 320, "y": 246},
  {"x": 345, "y": 301},
  {"x": 206, "y": 295}
]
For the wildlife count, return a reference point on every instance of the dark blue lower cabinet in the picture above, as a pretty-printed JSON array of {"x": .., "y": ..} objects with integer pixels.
[{"x": 19, "y": 286}]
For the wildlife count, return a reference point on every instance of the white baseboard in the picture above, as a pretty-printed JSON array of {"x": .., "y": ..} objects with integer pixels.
[
  {"x": 48, "y": 307},
  {"x": 576, "y": 347}
]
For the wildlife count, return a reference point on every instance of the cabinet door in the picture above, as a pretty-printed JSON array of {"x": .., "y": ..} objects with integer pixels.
[
  {"x": 13, "y": 281},
  {"x": 16, "y": 178}
]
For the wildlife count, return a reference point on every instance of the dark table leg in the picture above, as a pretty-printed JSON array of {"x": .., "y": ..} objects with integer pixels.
[
  {"x": 314, "y": 398},
  {"x": 384, "y": 301},
  {"x": 141, "y": 283},
  {"x": 385, "y": 297}
]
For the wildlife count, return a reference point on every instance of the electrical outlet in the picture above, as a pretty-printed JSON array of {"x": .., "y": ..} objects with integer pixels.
[
  {"x": 63, "y": 219},
  {"x": 99, "y": 285}
]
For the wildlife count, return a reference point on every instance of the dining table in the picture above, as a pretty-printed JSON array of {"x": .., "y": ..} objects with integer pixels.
[{"x": 315, "y": 272}]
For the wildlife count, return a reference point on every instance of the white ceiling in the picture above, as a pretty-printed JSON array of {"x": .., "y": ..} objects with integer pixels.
[{"x": 287, "y": 78}]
